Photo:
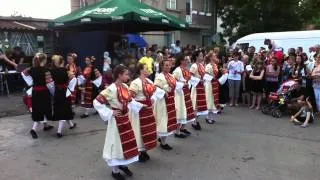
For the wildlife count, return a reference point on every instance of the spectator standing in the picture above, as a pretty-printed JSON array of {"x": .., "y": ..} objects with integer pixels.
[
  {"x": 245, "y": 85},
  {"x": 18, "y": 55},
  {"x": 257, "y": 84},
  {"x": 272, "y": 77},
  {"x": 287, "y": 68},
  {"x": 300, "y": 72},
  {"x": 148, "y": 60},
  {"x": 316, "y": 82},
  {"x": 235, "y": 68},
  {"x": 251, "y": 52},
  {"x": 106, "y": 62}
]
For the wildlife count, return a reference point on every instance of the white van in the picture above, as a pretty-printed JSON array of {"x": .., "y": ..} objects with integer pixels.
[{"x": 285, "y": 40}]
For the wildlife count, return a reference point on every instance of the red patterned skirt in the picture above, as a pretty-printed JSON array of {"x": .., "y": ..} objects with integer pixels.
[
  {"x": 73, "y": 96},
  {"x": 201, "y": 98},
  {"x": 172, "y": 118},
  {"x": 187, "y": 98},
  {"x": 127, "y": 137},
  {"x": 148, "y": 126},
  {"x": 216, "y": 92},
  {"x": 88, "y": 95}
]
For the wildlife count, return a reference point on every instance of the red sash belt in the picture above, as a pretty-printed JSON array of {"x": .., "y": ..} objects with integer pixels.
[
  {"x": 172, "y": 118},
  {"x": 188, "y": 103},
  {"x": 39, "y": 88},
  {"x": 127, "y": 137},
  {"x": 148, "y": 125},
  {"x": 62, "y": 86},
  {"x": 201, "y": 98}
]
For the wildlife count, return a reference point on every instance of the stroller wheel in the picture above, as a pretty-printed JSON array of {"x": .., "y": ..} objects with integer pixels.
[
  {"x": 266, "y": 109},
  {"x": 277, "y": 113}
]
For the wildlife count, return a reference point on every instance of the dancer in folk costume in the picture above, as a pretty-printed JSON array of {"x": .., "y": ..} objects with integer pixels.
[
  {"x": 144, "y": 123},
  {"x": 62, "y": 110},
  {"x": 185, "y": 112},
  {"x": 38, "y": 76},
  {"x": 198, "y": 96},
  {"x": 88, "y": 89},
  {"x": 73, "y": 71},
  {"x": 120, "y": 148},
  {"x": 212, "y": 87},
  {"x": 164, "y": 109}
]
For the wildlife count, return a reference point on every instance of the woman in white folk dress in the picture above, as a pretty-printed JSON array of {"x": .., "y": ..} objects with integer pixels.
[
  {"x": 164, "y": 109},
  {"x": 120, "y": 148},
  {"x": 144, "y": 123},
  {"x": 184, "y": 108},
  {"x": 212, "y": 87},
  {"x": 198, "y": 95}
]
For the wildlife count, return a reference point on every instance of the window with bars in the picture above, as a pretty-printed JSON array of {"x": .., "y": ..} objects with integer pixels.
[
  {"x": 207, "y": 6},
  {"x": 172, "y": 4},
  {"x": 83, "y": 3}
]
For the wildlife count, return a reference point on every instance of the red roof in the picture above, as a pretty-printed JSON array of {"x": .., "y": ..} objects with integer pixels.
[{"x": 29, "y": 24}]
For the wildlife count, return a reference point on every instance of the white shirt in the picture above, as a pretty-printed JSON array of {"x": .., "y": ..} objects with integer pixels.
[
  {"x": 235, "y": 66},
  {"x": 106, "y": 64}
]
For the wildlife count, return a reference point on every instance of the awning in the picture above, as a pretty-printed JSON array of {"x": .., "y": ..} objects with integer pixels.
[{"x": 121, "y": 16}]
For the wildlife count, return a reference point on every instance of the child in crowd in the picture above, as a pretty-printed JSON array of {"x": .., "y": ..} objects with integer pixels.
[{"x": 304, "y": 116}]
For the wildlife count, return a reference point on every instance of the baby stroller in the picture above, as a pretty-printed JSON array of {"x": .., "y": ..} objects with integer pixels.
[{"x": 278, "y": 101}]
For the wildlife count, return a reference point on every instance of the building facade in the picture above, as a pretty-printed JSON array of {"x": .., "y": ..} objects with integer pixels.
[
  {"x": 200, "y": 14},
  {"x": 31, "y": 35}
]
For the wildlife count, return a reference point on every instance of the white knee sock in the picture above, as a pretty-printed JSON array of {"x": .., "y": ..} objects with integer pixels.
[
  {"x": 87, "y": 111},
  {"x": 70, "y": 123},
  {"x": 115, "y": 169},
  {"x": 35, "y": 126},
  {"x": 45, "y": 120},
  {"x": 61, "y": 124}
]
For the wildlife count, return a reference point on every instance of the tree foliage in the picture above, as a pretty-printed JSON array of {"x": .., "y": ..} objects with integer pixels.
[
  {"x": 243, "y": 17},
  {"x": 310, "y": 13}
]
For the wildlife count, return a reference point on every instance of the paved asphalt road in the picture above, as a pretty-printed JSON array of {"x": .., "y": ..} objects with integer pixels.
[{"x": 243, "y": 145}]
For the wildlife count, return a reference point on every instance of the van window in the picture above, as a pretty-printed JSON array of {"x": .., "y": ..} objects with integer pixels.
[{"x": 243, "y": 46}]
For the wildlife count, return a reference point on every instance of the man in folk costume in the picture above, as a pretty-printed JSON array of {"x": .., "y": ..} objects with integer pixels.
[
  {"x": 120, "y": 148},
  {"x": 144, "y": 123},
  {"x": 62, "y": 109},
  {"x": 185, "y": 112},
  {"x": 88, "y": 89},
  {"x": 212, "y": 87},
  {"x": 164, "y": 109},
  {"x": 73, "y": 71},
  {"x": 198, "y": 96}
]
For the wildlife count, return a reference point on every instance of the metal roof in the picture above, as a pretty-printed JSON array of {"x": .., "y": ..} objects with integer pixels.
[{"x": 19, "y": 23}]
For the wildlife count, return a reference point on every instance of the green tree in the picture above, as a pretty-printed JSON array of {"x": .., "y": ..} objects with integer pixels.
[
  {"x": 243, "y": 17},
  {"x": 309, "y": 13}
]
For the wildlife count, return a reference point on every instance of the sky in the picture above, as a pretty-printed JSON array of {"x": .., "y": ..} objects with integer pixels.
[{"x": 45, "y": 9}]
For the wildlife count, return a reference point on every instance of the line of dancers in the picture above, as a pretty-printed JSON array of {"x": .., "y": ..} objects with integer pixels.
[{"x": 139, "y": 114}]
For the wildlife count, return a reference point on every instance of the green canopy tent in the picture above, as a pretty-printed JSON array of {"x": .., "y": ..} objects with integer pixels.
[{"x": 120, "y": 16}]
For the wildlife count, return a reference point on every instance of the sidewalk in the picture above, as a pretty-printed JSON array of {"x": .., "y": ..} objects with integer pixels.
[{"x": 12, "y": 105}]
